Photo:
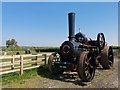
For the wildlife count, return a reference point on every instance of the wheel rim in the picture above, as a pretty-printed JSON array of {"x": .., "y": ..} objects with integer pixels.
[{"x": 89, "y": 67}]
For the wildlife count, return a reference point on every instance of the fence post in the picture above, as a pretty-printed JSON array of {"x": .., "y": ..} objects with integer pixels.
[
  {"x": 21, "y": 65},
  {"x": 36, "y": 60},
  {"x": 12, "y": 61},
  {"x": 45, "y": 57}
]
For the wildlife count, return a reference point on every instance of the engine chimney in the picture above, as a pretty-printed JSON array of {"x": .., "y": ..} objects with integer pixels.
[{"x": 71, "y": 20}]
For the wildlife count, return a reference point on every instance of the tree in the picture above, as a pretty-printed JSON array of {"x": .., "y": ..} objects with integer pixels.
[
  {"x": 8, "y": 43},
  {"x": 11, "y": 42}
]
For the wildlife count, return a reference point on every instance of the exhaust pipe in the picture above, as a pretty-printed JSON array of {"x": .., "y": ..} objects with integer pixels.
[{"x": 71, "y": 21}]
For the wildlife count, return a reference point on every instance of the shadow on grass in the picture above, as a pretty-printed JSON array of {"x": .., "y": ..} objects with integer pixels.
[{"x": 70, "y": 78}]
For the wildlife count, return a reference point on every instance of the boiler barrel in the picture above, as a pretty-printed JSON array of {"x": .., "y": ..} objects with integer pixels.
[{"x": 71, "y": 21}]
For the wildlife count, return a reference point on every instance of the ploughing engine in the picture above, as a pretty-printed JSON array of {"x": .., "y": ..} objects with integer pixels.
[{"x": 81, "y": 54}]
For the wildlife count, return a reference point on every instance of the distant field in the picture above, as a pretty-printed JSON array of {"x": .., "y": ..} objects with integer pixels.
[
  {"x": 21, "y": 52},
  {"x": 21, "y": 49},
  {"x": 116, "y": 47}
]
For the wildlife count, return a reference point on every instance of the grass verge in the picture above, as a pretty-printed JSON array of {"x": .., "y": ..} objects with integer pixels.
[
  {"x": 16, "y": 77},
  {"x": 41, "y": 72}
]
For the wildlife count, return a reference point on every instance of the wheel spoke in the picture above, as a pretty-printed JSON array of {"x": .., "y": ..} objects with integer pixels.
[
  {"x": 89, "y": 59},
  {"x": 110, "y": 56},
  {"x": 110, "y": 61},
  {"x": 87, "y": 73},
  {"x": 86, "y": 68},
  {"x": 86, "y": 63}
]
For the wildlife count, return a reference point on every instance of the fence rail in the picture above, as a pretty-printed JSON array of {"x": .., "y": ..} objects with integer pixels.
[{"x": 20, "y": 63}]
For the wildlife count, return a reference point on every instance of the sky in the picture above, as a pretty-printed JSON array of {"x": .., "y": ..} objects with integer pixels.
[
  {"x": 46, "y": 23},
  {"x": 60, "y": 0}
]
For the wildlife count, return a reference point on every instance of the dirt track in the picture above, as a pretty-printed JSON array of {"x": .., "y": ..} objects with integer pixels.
[{"x": 103, "y": 79}]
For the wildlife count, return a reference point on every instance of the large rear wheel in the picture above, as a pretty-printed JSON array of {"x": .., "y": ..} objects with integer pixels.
[
  {"x": 86, "y": 66},
  {"x": 107, "y": 57}
]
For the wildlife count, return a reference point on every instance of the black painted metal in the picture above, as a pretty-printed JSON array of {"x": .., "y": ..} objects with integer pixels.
[
  {"x": 79, "y": 52},
  {"x": 71, "y": 20}
]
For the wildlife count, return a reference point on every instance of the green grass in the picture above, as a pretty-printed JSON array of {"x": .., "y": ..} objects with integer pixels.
[
  {"x": 116, "y": 47},
  {"x": 22, "y": 48},
  {"x": 41, "y": 72},
  {"x": 15, "y": 77},
  {"x": 22, "y": 52}
]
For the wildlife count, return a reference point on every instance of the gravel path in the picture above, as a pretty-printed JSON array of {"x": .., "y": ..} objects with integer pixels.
[{"x": 102, "y": 79}]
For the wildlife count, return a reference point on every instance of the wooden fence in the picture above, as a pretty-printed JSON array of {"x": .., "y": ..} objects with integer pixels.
[{"x": 20, "y": 63}]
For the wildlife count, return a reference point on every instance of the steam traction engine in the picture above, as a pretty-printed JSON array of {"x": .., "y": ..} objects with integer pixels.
[{"x": 81, "y": 54}]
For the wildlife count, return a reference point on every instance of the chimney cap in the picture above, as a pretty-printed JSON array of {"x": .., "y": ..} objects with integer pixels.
[{"x": 71, "y": 13}]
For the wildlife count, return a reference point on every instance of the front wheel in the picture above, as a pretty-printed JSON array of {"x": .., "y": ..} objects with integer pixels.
[
  {"x": 52, "y": 68},
  {"x": 86, "y": 66}
]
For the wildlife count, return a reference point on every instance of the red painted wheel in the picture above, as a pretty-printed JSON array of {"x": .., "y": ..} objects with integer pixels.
[
  {"x": 107, "y": 57},
  {"x": 86, "y": 66}
]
